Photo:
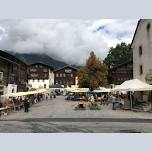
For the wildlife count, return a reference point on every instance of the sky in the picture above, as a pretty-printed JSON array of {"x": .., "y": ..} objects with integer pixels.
[{"x": 70, "y": 41}]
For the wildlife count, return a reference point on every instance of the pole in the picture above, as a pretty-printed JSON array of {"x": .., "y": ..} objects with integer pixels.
[
  {"x": 151, "y": 99},
  {"x": 130, "y": 101}
]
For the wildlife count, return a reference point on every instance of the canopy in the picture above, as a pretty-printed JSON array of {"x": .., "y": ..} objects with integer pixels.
[
  {"x": 133, "y": 85},
  {"x": 81, "y": 90},
  {"x": 70, "y": 89},
  {"x": 102, "y": 90},
  {"x": 18, "y": 94}
]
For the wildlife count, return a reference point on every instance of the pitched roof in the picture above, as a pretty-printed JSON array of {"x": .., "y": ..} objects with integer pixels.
[
  {"x": 42, "y": 64},
  {"x": 10, "y": 57},
  {"x": 117, "y": 66},
  {"x": 66, "y": 67},
  {"x": 136, "y": 31}
]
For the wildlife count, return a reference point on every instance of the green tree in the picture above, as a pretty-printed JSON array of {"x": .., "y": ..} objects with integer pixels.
[
  {"x": 93, "y": 74},
  {"x": 118, "y": 55}
]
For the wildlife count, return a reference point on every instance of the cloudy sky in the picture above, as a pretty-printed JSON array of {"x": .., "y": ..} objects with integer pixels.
[{"x": 66, "y": 40}]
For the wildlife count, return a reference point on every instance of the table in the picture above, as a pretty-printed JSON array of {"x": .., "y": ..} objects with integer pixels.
[{"x": 81, "y": 104}]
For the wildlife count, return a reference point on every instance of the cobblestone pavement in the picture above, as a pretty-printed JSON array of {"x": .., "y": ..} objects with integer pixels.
[{"x": 59, "y": 115}]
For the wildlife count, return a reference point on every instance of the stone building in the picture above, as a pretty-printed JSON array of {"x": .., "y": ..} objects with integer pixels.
[
  {"x": 13, "y": 74},
  {"x": 142, "y": 51},
  {"x": 40, "y": 75},
  {"x": 66, "y": 76}
]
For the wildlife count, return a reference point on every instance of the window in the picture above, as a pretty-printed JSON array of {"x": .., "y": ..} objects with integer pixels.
[
  {"x": 45, "y": 70},
  {"x": 71, "y": 82},
  {"x": 13, "y": 90},
  {"x": 45, "y": 75},
  {"x": 33, "y": 70},
  {"x": 1, "y": 75},
  {"x": 140, "y": 50},
  {"x": 148, "y": 27},
  {"x": 12, "y": 69},
  {"x": 71, "y": 75},
  {"x": 141, "y": 69},
  {"x": 57, "y": 75},
  {"x": 64, "y": 75},
  {"x": 60, "y": 74}
]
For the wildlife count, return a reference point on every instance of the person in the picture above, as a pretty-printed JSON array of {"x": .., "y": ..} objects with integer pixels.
[
  {"x": 106, "y": 99},
  {"x": 18, "y": 104},
  {"x": 96, "y": 97},
  {"x": 54, "y": 95},
  {"x": 46, "y": 96},
  {"x": 92, "y": 99},
  {"x": 35, "y": 99},
  {"x": 51, "y": 96},
  {"x": 113, "y": 102},
  {"x": 102, "y": 99},
  {"x": 26, "y": 104}
]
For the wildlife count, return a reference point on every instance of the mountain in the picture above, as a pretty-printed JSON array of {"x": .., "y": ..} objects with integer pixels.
[
  {"x": 33, "y": 58},
  {"x": 36, "y": 57}
]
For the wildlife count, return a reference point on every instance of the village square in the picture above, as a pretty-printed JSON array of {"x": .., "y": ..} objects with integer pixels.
[{"x": 113, "y": 94}]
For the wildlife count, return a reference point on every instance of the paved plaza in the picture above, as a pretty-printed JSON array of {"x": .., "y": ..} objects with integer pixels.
[{"x": 58, "y": 115}]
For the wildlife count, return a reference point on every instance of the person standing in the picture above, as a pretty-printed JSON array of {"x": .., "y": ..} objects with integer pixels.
[
  {"x": 92, "y": 99},
  {"x": 51, "y": 96},
  {"x": 113, "y": 102},
  {"x": 102, "y": 99},
  {"x": 26, "y": 104}
]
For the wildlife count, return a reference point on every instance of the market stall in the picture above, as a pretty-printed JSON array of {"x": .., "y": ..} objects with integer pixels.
[{"x": 134, "y": 85}]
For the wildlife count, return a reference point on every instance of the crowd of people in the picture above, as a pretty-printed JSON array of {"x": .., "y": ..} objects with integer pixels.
[
  {"x": 116, "y": 98},
  {"x": 20, "y": 102}
]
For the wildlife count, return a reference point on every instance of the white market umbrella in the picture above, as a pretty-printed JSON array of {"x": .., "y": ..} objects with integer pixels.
[{"x": 133, "y": 85}]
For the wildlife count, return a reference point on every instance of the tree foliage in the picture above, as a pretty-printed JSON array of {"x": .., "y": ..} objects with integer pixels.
[
  {"x": 118, "y": 55},
  {"x": 93, "y": 74}
]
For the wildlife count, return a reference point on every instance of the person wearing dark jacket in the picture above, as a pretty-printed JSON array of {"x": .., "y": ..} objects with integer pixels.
[{"x": 26, "y": 104}]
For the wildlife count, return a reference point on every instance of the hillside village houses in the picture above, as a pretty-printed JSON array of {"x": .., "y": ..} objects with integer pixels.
[
  {"x": 13, "y": 74},
  {"x": 17, "y": 76},
  {"x": 40, "y": 76},
  {"x": 66, "y": 76}
]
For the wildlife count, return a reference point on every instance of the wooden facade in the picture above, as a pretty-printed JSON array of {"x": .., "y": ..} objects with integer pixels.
[
  {"x": 65, "y": 76},
  {"x": 39, "y": 71},
  {"x": 118, "y": 74},
  {"x": 12, "y": 71}
]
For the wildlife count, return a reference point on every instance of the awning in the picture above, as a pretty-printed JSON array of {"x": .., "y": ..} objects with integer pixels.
[
  {"x": 133, "y": 85},
  {"x": 18, "y": 94},
  {"x": 80, "y": 90},
  {"x": 102, "y": 90}
]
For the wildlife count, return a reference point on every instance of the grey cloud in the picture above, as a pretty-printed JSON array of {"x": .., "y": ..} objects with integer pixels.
[{"x": 67, "y": 40}]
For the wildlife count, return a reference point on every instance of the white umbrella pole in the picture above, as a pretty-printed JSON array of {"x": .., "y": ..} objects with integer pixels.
[{"x": 130, "y": 101}]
